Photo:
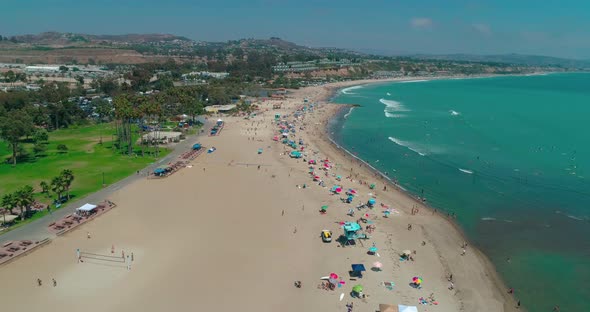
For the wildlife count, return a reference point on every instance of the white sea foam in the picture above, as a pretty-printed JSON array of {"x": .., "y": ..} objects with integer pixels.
[
  {"x": 411, "y": 81},
  {"x": 408, "y": 145},
  {"x": 488, "y": 219},
  {"x": 392, "y": 108},
  {"x": 349, "y": 89},
  {"x": 388, "y": 93},
  {"x": 465, "y": 171},
  {"x": 454, "y": 113},
  {"x": 575, "y": 218},
  {"x": 349, "y": 112}
]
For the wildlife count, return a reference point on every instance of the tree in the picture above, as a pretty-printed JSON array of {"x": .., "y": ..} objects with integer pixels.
[
  {"x": 9, "y": 202},
  {"x": 62, "y": 148},
  {"x": 67, "y": 177},
  {"x": 25, "y": 198},
  {"x": 13, "y": 127},
  {"x": 40, "y": 136},
  {"x": 44, "y": 187},
  {"x": 57, "y": 186},
  {"x": 104, "y": 109},
  {"x": 63, "y": 68}
]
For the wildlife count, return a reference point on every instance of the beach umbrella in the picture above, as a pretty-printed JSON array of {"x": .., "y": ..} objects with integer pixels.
[
  {"x": 352, "y": 191},
  {"x": 325, "y": 207},
  {"x": 357, "y": 288},
  {"x": 417, "y": 280},
  {"x": 372, "y": 201},
  {"x": 372, "y": 186},
  {"x": 406, "y": 252},
  {"x": 333, "y": 275},
  {"x": 373, "y": 249},
  {"x": 339, "y": 190},
  {"x": 377, "y": 265}
]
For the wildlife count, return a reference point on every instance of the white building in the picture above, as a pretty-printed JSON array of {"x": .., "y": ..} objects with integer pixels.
[{"x": 42, "y": 69}]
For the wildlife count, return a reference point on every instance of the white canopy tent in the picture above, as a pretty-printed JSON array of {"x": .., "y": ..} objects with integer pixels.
[
  {"x": 403, "y": 308},
  {"x": 87, "y": 208}
]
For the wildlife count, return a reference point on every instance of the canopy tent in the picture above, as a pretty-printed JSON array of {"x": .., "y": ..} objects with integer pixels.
[
  {"x": 403, "y": 308},
  {"x": 87, "y": 208},
  {"x": 159, "y": 170},
  {"x": 358, "y": 267},
  {"x": 387, "y": 308},
  {"x": 197, "y": 146}
]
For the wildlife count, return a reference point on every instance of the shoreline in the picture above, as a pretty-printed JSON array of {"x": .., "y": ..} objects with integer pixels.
[{"x": 333, "y": 90}]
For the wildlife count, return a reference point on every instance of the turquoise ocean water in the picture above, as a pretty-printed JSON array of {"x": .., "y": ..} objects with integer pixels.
[{"x": 510, "y": 156}]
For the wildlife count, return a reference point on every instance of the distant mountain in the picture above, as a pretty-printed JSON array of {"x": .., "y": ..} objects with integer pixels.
[{"x": 517, "y": 59}]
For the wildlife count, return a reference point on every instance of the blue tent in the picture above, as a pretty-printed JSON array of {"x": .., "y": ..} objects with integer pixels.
[
  {"x": 350, "y": 229},
  {"x": 197, "y": 146},
  {"x": 349, "y": 199},
  {"x": 358, "y": 267},
  {"x": 371, "y": 202},
  {"x": 159, "y": 170}
]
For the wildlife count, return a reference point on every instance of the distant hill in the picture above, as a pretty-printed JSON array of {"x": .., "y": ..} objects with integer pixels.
[
  {"x": 72, "y": 39},
  {"x": 517, "y": 59}
]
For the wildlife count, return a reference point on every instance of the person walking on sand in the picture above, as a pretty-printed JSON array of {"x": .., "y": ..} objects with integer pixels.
[
  {"x": 132, "y": 257},
  {"x": 39, "y": 282},
  {"x": 88, "y": 235},
  {"x": 409, "y": 227},
  {"x": 54, "y": 282},
  {"x": 123, "y": 254},
  {"x": 463, "y": 252}
]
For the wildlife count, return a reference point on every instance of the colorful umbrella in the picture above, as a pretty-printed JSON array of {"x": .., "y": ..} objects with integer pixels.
[
  {"x": 377, "y": 265},
  {"x": 373, "y": 249},
  {"x": 339, "y": 190},
  {"x": 325, "y": 207},
  {"x": 417, "y": 280},
  {"x": 333, "y": 275},
  {"x": 357, "y": 288}
]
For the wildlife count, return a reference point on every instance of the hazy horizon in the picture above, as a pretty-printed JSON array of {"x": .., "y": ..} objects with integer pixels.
[{"x": 430, "y": 27}]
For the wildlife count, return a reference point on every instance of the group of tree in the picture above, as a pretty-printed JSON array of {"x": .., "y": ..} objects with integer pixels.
[
  {"x": 11, "y": 76},
  {"x": 24, "y": 197}
]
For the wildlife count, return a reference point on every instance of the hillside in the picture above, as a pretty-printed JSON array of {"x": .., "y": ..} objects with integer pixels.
[{"x": 519, "y": 59}]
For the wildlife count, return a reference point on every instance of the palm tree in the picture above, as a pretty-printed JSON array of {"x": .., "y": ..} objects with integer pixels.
[
  {"x": 67, "y": 176},
  {"x": 57, "y": 186},
  {"x": 25, "y": 198},
  {"x": 9, "y": 202},
  {"x": 44, "y": 187}
]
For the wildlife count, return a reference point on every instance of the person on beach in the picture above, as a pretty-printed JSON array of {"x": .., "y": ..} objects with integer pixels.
[
  {"x": 463, "y": 252},
  {"x": 451, "y": 278},
  {"x": 39, "y": 282},
  {"x": 409, "y": 227},
  {"x": 54, "y": 282},
  {"x": 88, "y": 235},
  {"x": 132, "y": 258}
]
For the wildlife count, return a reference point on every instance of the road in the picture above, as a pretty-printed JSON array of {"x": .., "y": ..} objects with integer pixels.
[{"x": 38, "y": 229}]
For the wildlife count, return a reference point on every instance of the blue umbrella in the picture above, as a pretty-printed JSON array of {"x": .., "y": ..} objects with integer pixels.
[{"x": 373, "y": 249}]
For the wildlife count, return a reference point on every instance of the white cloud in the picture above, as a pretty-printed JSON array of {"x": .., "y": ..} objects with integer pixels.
[
  {"x": 420, "y": 22},
  {"x": 482, "y": 29}
]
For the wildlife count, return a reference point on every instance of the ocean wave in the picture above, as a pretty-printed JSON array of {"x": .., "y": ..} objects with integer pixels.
[
  {"x": 575, "y": 218},
  {"x": 488, "y": 219},
  {"x": 465, "y": 171},
  {"x": 392, "y": 108},
  {"x": 349, "y": 112},
  {"x": 411, "y": 81},
  {"x": 347, "y": 90},
  {"x": 408, "y": 145},
  {"x": 454, "y": 113},
  {"x": 388, "y": 93}
]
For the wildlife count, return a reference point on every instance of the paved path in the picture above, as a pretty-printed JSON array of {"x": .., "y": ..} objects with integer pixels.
[{"x": 38, "y": 229}]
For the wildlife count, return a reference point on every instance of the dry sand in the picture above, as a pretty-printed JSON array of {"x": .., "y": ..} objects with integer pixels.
[{"x": 213, "y": 237}]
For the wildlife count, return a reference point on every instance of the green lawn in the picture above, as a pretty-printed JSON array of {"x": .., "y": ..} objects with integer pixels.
[{"x": 88, "y": 159}]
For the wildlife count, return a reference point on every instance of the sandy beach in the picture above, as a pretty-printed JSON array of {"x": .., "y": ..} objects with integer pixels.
[{"x": 236, "y": 229}]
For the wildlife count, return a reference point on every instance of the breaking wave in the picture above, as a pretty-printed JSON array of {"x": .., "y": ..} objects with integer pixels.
[
  {"x": 454, "y": 113},
  {"x": 349, "y": 112},
  {"x": 392, "y": 108},
  {"x": 410, "y": 81},
  {"x": 465, "y": 171},
  {"x": 347, "y": 90},
  {"x": 408, "y": 145}
]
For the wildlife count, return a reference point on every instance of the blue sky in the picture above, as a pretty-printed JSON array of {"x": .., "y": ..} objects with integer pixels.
[{"x": 545, "y": 27}]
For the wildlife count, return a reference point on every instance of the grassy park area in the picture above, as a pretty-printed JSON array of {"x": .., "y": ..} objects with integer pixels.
[{"x": 89, "y": 160}]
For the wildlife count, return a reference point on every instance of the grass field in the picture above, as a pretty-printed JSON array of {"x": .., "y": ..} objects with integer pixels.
[{"x": 88, "y": 159}]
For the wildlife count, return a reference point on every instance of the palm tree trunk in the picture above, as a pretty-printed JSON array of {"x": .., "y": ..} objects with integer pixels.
[{"x": 14, "y": 147}]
